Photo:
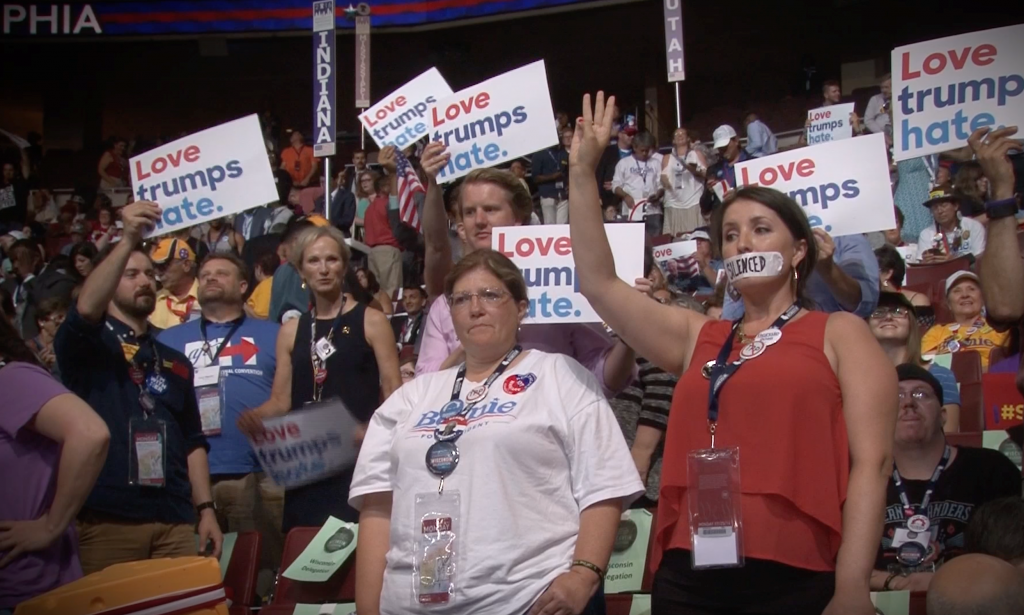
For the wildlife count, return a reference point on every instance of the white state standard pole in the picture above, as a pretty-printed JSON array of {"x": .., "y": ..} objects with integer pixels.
[
  {"x": 679, "y": 115},
  {"x": 362, "y": 133},
  {"x": 327, "y": 188}
]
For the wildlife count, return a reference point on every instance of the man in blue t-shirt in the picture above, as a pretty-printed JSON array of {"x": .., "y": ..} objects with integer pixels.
[{"x": 234, "y": 358}]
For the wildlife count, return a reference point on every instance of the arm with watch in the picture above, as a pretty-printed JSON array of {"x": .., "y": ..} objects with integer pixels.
[
  {"x": 199, "y": 477},
  {"x": 1000, "y": 266}
]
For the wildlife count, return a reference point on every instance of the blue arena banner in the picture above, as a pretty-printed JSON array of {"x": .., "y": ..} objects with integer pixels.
[{"x": 153, "y": 17}]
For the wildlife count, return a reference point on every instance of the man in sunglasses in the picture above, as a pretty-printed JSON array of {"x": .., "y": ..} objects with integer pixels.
[{"x": 934, "y": 488}]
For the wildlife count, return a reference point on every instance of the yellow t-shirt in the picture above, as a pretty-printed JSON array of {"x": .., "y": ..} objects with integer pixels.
[
  {"x": 953, "y": 337},
  {"x": 171, "y": 311},
  {"x": 259, "y": 300}
]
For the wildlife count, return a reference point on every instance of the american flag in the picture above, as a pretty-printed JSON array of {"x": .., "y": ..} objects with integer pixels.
[{"x": 408, "y": 185}]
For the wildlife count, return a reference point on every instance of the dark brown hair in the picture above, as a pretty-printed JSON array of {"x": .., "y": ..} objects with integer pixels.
[
  {"x": 791, "y": 214},
  {"x": 497, "y": 264},
  {"x": 231, "y": 257}
]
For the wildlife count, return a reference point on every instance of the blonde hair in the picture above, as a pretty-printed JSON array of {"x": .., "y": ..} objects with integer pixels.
[
  {"x": 519, "y": 197},
  {"x": 309, "y": 236}
]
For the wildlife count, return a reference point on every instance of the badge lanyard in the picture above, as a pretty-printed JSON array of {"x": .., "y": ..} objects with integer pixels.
[
  {"x": 320, "y": 363},
  {"x": 443, "y": 454},
  {"x": 154, "y": 384},
  {"x": 909, "y": 509},
  {"x": 721, "y": 370},
  {"x": 644, "y": 172},
  {"x": 227, "y": 338},
  {"x": 183, "y": 315}
]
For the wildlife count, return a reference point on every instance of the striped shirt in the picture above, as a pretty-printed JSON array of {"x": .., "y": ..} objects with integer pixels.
[{"x": 646, "y": 402}]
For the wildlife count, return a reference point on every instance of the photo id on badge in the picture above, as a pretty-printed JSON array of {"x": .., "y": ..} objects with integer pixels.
[
  {"x": 713, "y": 498},
  {"x": 148, "y": 463},
  {"x": 435, "y": 559},
  {"x": 210, "y": 410}
]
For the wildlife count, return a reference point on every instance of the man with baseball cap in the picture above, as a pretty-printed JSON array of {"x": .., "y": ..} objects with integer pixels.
[
  {"x": 952, "y": 236},
  {"x": 934, "y": 488},
  {"x": 724, "y": 171},
  {"x": 971, "y": 330},
  {"x": 178, "y": 300}
]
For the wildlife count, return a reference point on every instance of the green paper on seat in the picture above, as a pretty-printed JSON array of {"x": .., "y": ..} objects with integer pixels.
[
  {"x": 1000, "y": 440},
  {"x": 892, "y": 603},
  {"x": 629, "y": 554},
  {"x": 345, "y": 608},
  {"x": 328, "y": 550},
  {"x": 641, "y": 605},
  {"x": 945, "y": 360}
]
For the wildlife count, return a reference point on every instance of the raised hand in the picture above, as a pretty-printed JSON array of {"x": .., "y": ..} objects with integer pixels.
[
  {"x": 592, "y": 134},
  {"x": 434, "y": 157},
  {"x": 387, "y": 158},
  {"x": 138, "y": 218},
  {"x": 992, "y": 148}
]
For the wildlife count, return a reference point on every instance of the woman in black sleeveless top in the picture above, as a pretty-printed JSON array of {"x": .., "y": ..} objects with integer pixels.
[{"x": 362, "y": 370}]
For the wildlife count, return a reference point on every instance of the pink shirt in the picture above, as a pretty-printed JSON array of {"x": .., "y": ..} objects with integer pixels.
[{"x": 587, "y": 343}]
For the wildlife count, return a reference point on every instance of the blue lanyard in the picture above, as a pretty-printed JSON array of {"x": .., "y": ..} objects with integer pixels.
[{"x": 722, "y": 369}]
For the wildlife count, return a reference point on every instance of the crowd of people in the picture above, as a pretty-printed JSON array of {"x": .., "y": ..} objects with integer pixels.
[{"x": 138, "y": 368}]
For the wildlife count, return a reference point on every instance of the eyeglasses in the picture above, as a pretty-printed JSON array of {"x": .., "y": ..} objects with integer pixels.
[
  {"x": 884, "y": 312},
  {"x": 489, "y": 296},
  {"x": 918, "y": 395}
]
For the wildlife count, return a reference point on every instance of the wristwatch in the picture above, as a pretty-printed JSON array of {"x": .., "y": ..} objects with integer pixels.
[
  {"x": 1003, "y": 208},
  {"x": 201, "y": 507}
]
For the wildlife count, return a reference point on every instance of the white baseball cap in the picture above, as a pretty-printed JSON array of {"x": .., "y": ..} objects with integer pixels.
[
  {"x": 722, "y": 135},
  {"x": 960, "y": 275},
  {"x": 697, "y": 235}
]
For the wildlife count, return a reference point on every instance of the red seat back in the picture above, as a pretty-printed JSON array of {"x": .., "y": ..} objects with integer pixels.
[
  {"x": 972, "y": 408},
  {"x": 618, "y": 604},
  {"x": 965, "y": 438},
  {"x": 966, "y": 366},
  {"x": 244, "y": 567},
  {"x": 339, "y": 588},
  {"x": 918, "y": 274}
]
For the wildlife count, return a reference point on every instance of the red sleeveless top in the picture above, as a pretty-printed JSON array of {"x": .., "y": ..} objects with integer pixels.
[{"x": 784, "y": 411}]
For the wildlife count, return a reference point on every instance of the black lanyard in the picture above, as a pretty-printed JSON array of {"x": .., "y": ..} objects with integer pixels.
[
  {"x": 644, "y": 173},
  {"x": 909, "y": 509},
  {"x": 722, "y": 370},
  {"x": 460, "y": 377},
  {"x": 227, "y": 338},
  {"x": 320, "y": 366}
]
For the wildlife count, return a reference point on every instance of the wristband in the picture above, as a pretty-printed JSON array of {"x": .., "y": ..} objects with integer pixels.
[
  {"x": 1003, "y": 208},
  {"x": 585, "y": 564},
  {"x": 201, "y": 507}
]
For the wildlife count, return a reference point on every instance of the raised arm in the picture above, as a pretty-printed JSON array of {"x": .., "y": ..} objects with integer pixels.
[
  {"x": 1000, "y": 266},
  {"x": 870, "y": 395},
  {"x": 99, "y": 287},
  {"x": 438, "y": 250},
  {"x": 625, "y": 310}
]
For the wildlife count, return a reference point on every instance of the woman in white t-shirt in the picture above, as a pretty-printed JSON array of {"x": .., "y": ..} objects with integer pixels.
[
  {"x": 682, "y": 175},
  {"x": 496, "y": 486}
]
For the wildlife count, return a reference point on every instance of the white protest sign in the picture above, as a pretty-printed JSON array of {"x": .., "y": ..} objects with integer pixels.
[
  {"x": 307, "y": 444},
  {"x": 494, "y": 121},
  {"x": 830, "y": 123},
  {"x": 843, "y": 186},
  {"x": 944, "y": 89},
  {"x": 401, "y": 118},
  {"x": 544, "y": 254},
  {"x": 207, "y": 175},
  {"x": 674, "y": 251}
]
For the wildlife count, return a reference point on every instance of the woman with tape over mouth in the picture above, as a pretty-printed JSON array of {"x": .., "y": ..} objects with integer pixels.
[
  {"x": 804, "y": 401},
  {"x": 496, "y": 485}
]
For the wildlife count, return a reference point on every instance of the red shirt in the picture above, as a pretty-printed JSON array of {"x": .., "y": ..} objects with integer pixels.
[
  {"x": 377, "y": 227},
  {"x": 784, "y": 410}
]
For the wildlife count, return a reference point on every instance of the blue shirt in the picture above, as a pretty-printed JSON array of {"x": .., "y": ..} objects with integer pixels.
[
  {"x": 92, "y": 359},
  {"x": 247, "y": 366},
  {"x": 723, "y": 169},
  {"x": 554, "y": 160},
  {"x": 760, "y": 140},
  {"x": 854, "y": 256},
  {"x": 950, "y": 393}
]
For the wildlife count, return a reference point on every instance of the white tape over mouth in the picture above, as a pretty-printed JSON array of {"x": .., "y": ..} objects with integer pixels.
[{"x": 753, "y": 265}]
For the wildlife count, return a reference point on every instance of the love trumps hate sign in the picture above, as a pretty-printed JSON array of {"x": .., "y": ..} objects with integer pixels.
[{"x": 207, "y": 175}]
